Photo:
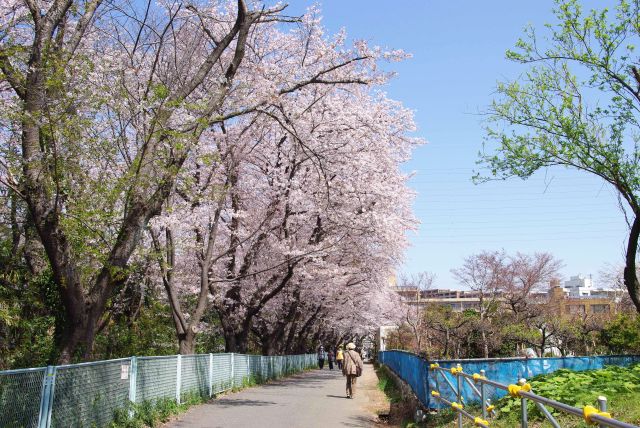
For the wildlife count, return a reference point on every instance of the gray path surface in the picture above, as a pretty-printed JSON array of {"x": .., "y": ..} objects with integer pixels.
[{"x": 311, "y": 399}]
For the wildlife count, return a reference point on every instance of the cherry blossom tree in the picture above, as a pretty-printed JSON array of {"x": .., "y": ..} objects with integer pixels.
[
  {"x": 484, "y": 273},
  {"x": 257, "y": 166},
  {"x": 295, "y": 187},
  {"x": 525, "y": 274},
  {"x": 105, "y": 106},
  {"x": 415, "y": 313}
]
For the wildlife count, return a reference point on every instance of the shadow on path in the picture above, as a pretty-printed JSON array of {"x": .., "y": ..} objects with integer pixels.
[
  {"x": 231, "y": 402},
  {"x": 358, "y": 421},
  {"x": 308, "y": 400}
]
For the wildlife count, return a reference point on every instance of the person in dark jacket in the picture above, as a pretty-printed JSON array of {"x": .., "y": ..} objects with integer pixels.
[
  {"x": 330, "y": 359},
  {"x": 321, "y": 357}
]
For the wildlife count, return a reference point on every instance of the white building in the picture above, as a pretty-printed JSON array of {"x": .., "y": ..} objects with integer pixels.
[
  {"x": 381, "y": 336},
  {"x": 582, "y": 286}
]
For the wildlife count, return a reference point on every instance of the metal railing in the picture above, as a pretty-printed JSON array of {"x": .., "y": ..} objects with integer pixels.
[
  {"x": 522, "y": 390},
  {"x": 414, "y": 370},
  {"x": 89, "y": 394}
]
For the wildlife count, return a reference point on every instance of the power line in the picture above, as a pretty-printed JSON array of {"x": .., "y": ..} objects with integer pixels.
[
  {"x": 509, "y": 209},
  {"x": 528, "y": 222},
  {"x": 519, "y": 226},
  {"x": 500, "y": 241},
  {"x": 508, "y": 233}
]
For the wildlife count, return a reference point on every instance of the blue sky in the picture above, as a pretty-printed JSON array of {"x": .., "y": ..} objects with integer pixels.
[{"x": 458, "y": 57}]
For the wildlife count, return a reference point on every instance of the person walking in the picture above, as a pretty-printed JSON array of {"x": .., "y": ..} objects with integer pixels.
[
  {"x": 339, "y": 357},
  {"x": 321, "y": 357},
  {"x": 352, "y": 369},
  {"x": 330, "y": 358}
]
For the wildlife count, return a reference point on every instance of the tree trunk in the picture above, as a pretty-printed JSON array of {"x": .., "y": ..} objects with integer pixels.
[
  {"x": 446, "y": 343},
  {"x": 274, "y": 341},
  {"x": 292, "y": 333},
  {"x": 15, "y": 228},
  {"x": 69, "y": 339},
  {"x": 543, "y": 344},
  {"x": 236, "y": 337},
  {"x": 485, "y": 344},
  {"x": 630, "y": 272},
  {"x": 187, "y": 343},
  {"x": 84, "y": 303}
]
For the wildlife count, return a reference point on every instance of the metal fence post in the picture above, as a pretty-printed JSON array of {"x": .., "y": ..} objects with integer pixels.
[
  {"x": 459, "y": 379},
  {"x": 483, "y": 399},
  {"x": 523, "y": 408},
  {"x": 178, "y": 378},
  {"x": 210, "y": 375},
  {"x": 602, "y": 406},
  {"x": 133, "y": 378},
  {"x": 249, "y": 372},
  {"x": 233, "y": 374},
  {"x": 46, "y": 397},
  {"x": 425, "y": 387}
]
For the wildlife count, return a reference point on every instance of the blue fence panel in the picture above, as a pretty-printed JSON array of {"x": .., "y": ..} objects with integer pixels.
[{"x": 412, "y": 369}]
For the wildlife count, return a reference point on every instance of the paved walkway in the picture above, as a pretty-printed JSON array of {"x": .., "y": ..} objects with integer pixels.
[{"x": 311, "y": 399}]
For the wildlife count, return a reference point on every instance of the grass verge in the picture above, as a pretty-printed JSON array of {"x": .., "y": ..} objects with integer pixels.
[
  {"x": 152, "y": 413},
  {"x": 387, "y": 385},
  {"x": 401, "y": 412}
]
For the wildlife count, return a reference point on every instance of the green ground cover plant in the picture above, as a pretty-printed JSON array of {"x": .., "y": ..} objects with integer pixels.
[
  {"x": 386, "y": 384},
  {"x": 152, "y": 413},
  {"x": 621, "y": 386}
]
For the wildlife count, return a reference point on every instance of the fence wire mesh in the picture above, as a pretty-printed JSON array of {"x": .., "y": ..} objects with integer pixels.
[
  {"x": 221, "y": 379},
  {"x": 89, "y": 394},
  {"x": 195, "y": 376},
  {"x": 20, "y": 397},
  {"x": 240, "y": 369},
  {"x": 156, "y": 378},
  {"x": 255, "y": 366}
]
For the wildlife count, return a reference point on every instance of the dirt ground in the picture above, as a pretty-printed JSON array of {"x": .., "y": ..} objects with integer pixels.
[{"x": 376, "y": 402}]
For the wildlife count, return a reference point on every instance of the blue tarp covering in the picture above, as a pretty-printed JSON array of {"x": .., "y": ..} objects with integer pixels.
[
  {"x": 415, "y": 371},
  {"x": 410, "y": 368}
]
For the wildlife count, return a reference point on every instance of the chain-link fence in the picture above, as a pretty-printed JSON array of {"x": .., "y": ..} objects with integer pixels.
[
  {"x": 89, "y": 394},
  {"x": 20, "y": 392}
]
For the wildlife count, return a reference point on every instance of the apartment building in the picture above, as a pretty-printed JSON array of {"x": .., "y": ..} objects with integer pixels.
[
  {"x": 578, "y": 295},
  {"x": 564, "y": 303},
  {"x": 457, "y": 300}
]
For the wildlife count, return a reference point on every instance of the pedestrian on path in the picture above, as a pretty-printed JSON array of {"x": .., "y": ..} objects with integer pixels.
[
  {"x": 321, "y": 357},
  {"x": 330, "y": 359},
  {"x": 339, "y": 358},
  {"x": 352, "y": 369}
]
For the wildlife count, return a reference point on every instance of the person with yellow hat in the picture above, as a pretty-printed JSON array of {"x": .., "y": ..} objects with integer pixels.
[{"x": 352, "y": 368}]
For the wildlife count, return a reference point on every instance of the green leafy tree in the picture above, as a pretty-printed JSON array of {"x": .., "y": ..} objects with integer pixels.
[
  {"x": 622, "y": 334},
  {"x": 576, "y": 106}
]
